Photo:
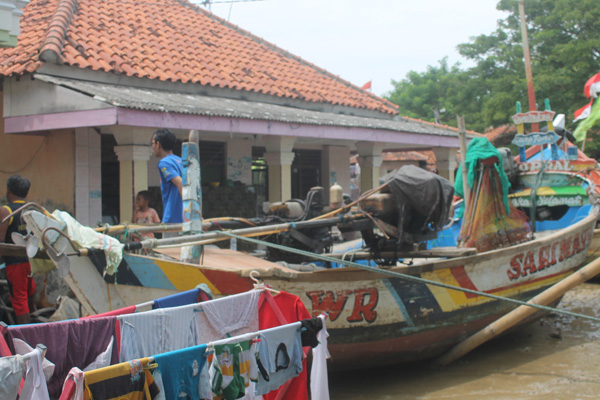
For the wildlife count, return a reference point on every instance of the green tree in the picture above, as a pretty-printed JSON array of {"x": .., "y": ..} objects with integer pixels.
[{"x": 564, "y": 38}]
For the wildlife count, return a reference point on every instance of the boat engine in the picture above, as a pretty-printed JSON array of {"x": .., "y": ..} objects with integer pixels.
[
  {"x": 411, "y": 209},
  {"x": 314, "y": 240}
]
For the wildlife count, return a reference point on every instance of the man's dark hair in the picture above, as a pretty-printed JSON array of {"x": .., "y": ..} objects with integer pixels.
[
  {"x": 166, "y": 138},
  {"x": 146, "y": 195},
  {"x": 18, "y": 185}
]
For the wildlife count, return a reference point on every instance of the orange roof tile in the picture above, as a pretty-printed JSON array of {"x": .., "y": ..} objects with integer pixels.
[{"x": 171, "y": 40}]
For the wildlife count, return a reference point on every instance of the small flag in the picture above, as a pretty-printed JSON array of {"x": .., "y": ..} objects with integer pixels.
[
  {"x": 583, "y": 112},
  {"x": 592, "y": 86},
  {"x": 585, "y": 125},
  {"x": 367, "y": 86}
]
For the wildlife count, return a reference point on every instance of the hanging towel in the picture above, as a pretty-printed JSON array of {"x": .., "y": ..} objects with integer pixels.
[
  {"x": 73, "y": 343},
  {"x": 232, "y": 315},
  {"x": 128, "y": 380},
  {"x": 73, "y": 386},
  {"x": 180, "y": 371},
  {"x": 157, "y": 331},
  {"x": 11, "y": 373}
]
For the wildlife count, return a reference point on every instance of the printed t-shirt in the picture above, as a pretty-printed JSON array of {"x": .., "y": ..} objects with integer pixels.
[{"x": 180, "y": 371}]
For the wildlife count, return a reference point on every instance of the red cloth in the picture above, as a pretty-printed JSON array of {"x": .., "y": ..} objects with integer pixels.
[
  {"x": 21, "y": 286},
  {"x": 293, "y": 310},
  {"x": 4, "y": 349},
  {"x": 120, "y": 311},
  {"x": 68, "y": 390}
]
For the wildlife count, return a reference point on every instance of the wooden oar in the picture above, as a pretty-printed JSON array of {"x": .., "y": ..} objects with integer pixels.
[{"x": 520, "y": 313}]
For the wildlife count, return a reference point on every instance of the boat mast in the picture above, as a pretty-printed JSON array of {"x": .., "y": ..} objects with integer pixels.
[{"x": 528, "y": 73}]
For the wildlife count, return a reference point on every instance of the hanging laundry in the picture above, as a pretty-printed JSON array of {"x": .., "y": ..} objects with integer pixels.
[
  {"x": 120, "y": 311},
  {"x": 23, "y": 348},
  {"x": 319, "y": 384},
  {"x": 180, "y": 372},
  {"x": 4, "y": 349},
  {"x": 157, "y": 331},
  {"x": 280, "y": 351},
  {"x": 73, "y": 386},
  {"x": 229, "y": 316},
  {"x": 35, "y": 387},
  {"x": 199, "y": 294},
  {"x": 128, "y": 380},
  {"x": 73, "y": 343},
  {"x": 275, "y": 311},
  {"x": 12, "y": 370},
  {"x": 230, "y": 370},
  {"x": 309, "y": 333}
]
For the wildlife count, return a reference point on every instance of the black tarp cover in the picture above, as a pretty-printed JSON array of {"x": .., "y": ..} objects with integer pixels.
[{"x": 423, "y": 199}]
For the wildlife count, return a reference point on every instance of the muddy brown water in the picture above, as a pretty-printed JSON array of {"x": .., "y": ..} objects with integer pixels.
[{"x": 557, "y": 357}]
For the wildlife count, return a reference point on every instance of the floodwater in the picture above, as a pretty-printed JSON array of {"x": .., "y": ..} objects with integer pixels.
[{"x": 557, "y": 357}]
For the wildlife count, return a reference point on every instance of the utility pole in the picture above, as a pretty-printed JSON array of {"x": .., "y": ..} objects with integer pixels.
[{"x": 528, "y": 74}]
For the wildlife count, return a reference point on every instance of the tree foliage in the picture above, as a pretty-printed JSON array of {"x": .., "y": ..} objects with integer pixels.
[{"x": 564, "y": 41}]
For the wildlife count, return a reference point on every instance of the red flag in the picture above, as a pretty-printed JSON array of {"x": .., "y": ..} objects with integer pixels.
[
  {"x": 592, "y": 86},
  {"x": 367, "y": 86},
  {"x": 583, "y": 112}
]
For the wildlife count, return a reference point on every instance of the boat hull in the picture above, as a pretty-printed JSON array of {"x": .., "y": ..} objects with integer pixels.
[{"x": 374, "y": 319}]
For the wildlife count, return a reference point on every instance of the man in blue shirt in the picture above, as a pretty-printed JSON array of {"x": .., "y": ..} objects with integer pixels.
[{"x": 170, "y": 169}]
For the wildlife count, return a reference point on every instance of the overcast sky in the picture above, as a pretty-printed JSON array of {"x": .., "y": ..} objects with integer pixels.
[{"x": 361, "y": 41}]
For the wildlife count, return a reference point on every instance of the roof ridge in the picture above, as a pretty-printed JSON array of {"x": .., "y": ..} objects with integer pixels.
[
  {"x": 284, "y": 52},
  {"x": 452, "y": 128},
  {"x": 52, "y": 45}
]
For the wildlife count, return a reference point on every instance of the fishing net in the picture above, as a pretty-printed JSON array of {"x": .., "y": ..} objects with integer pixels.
[{"x": 490, "y": 221}]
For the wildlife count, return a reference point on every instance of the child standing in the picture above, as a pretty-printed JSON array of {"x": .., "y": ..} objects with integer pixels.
[{"x": 143, "y": 213}]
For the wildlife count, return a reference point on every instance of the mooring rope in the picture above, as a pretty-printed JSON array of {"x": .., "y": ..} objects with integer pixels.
[{"x": 411, "y": 278}]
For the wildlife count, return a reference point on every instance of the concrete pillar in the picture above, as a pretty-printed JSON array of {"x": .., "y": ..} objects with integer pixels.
[
  {"x": 88, "y": 177},
  {"x": 446, "y": 161},
  {"x": 133, "y": 175},
  {"x": 239, "y": 160},
  {"x": 335, "y": 167},
  {"x": 370, "y": 159},
  {"x": 280, "y": 175}
]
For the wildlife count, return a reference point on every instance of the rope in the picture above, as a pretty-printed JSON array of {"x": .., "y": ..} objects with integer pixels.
[{"x": 413, "y": 278}]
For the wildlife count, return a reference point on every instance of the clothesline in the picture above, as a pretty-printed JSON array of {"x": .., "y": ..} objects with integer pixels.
[{"x": 222, "y": 323}]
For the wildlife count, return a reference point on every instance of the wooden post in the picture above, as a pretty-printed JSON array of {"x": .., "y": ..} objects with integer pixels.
[
  {"x": 462, "y": 133},
  {"x": 192, "y": 197},
  {"x": 520, "y": 313},
  {"x": 528, "y": 73}
]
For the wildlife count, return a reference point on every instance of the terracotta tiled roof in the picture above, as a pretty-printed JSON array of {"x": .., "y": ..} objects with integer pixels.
[
  {"x": 426, "y": 155},
  {"x": 171, "y": 40},
  {"x": 502, "y": 135}
]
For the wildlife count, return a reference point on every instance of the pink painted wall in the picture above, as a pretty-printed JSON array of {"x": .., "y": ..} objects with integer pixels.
[{"x": 47, "y": 161}]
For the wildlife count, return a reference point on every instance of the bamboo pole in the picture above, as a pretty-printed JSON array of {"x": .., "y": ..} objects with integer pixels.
[
  {"x": 509, "y": 320},
  {"x": 212, "y": 236}
]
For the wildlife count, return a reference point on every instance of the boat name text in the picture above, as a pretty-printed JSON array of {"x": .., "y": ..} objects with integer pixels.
[
  {"x": 528, "y": 263},
  {"x": 365, "y": 301}
]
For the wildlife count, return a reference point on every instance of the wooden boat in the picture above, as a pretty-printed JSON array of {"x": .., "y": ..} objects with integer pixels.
[
  {"x": 377, "y": 316},
  {"x": 374, "y": 319}
]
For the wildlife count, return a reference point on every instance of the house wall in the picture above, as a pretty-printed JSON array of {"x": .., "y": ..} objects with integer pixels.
[
  {"x": 48, "y": 161},
  {"x": 335, "y": 168}
]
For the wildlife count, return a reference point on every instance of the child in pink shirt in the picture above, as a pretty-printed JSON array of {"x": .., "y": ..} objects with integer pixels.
[{"x": 143, "y": 214}]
